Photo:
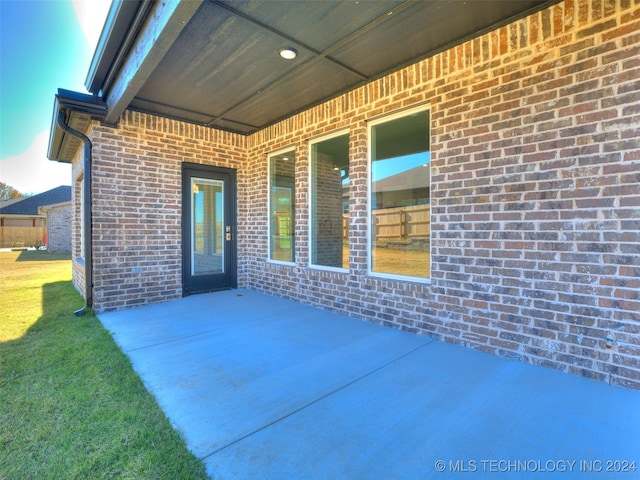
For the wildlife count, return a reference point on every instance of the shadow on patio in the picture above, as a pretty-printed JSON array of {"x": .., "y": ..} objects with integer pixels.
[{"x": 262, "y": 387}]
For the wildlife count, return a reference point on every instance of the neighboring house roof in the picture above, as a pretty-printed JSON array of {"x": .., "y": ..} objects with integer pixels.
[
  {"x": 216, "y": 62},
  {"x": 415, "y": 178},
  {"x": 6, "y": 203},
  {"x": 30, "y": 205}
]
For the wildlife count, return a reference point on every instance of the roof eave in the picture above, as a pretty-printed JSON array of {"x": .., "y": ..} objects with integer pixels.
[
  {"x": 79, "y": 110},
  {"x": 43, "y": 209},
  {"x": 22, "y": 216},
  {"x": 123, "y": 19}
]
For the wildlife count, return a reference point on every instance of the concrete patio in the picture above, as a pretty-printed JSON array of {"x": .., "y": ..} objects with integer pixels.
[{"x": 266, "y": 388}]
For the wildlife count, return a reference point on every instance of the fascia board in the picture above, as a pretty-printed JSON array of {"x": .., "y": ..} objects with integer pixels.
[{"x": 163, "y": 26}]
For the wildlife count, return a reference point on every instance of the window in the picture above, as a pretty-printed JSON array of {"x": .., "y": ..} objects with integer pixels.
[
  {"x": 400, "y": 191},
  {"x": 330, "y": 202},
  {"x": 80, "y": 201},
  {"x": 282, "y": 207}
]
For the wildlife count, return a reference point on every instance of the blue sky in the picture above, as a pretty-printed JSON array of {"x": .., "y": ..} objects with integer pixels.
[
  {"x": 386, "y": 168},
  {"x": 44, "y": 45}
]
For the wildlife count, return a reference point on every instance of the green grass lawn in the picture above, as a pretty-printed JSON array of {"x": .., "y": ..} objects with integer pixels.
[{"x": 71, "y": 406}]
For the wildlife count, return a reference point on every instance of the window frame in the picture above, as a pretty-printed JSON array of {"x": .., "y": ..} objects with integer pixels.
[
  {"x": 290, "y": 149},
  {"x": 80, "y": 180},
  {"x": 371, "y": 123},
  {"x": 314, "y": 141}
]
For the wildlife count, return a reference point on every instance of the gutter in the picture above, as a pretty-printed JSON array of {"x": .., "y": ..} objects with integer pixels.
[
  {"x": 72, "y": 107},
  {"x": 61, "y": 120},
  {"x": 124, "y": 21}
]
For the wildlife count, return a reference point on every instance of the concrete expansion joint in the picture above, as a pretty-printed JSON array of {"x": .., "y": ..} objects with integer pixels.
[{"x": 319, "y": 399}]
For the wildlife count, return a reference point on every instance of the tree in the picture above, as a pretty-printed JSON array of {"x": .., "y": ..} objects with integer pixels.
[{"x": 7, "y": 192}]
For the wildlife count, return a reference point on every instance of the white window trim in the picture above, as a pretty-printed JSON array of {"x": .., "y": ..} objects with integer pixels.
[
  {"x": 370, "y": 124},
  {"x": 329, "y": 136},
  {"x": 290, "y": 148}
]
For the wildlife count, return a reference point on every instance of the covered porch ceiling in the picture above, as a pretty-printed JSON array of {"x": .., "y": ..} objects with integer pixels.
[{"x": 217, "y": 62}]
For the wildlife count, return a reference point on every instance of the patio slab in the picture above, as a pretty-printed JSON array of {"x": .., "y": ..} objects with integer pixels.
[{"x": 262, "y": 387}]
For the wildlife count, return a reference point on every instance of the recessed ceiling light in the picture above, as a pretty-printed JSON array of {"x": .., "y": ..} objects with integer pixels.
[{"x": 288, "y": 53}]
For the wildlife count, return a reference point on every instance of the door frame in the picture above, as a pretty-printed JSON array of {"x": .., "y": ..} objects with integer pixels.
[{"x": 228, "y": 279}]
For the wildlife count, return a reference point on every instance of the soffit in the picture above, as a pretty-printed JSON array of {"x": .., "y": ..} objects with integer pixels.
[{"x": 223, "y": 69}]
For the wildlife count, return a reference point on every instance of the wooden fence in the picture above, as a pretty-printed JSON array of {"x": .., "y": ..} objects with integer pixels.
[
  {"x": 21, "y": 236},
  {"x": 398, "y": 224}
]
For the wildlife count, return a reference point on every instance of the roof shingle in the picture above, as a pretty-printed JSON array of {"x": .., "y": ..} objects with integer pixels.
[{"x": 29, "y": 205}]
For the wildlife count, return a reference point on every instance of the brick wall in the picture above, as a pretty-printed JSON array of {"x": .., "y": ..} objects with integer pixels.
[
  {"x": 59, "y": 219},
  {"x": 535, "y": 188},
  {"x": 327, "y": 214},
  {"x": 137, "y": 243},
  {"x": 535, "y": 196},
  {"x": 535, "y": 191}
]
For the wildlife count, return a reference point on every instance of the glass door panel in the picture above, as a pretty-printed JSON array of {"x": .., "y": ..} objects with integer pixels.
[{"x": 207, "y": 220}]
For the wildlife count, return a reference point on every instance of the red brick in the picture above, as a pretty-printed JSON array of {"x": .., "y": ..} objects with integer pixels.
[{"x": 535, "y": 170}]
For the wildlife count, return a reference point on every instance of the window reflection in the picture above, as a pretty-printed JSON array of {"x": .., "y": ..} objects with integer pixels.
[
  {"x": 330, "y": 202},
  {"x": 282, "y": 207},
  {"x": 400, "y": 193},
  {"x": 207, "y": 223}
]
